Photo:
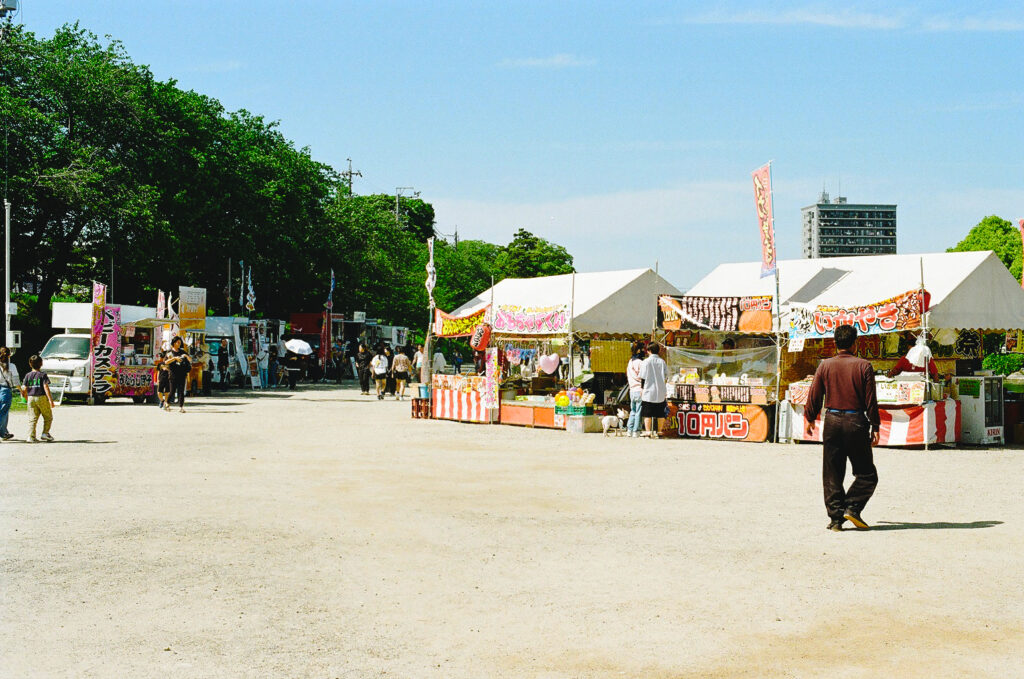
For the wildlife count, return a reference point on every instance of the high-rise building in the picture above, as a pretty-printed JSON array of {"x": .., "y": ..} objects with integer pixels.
[{"x": 835, "y": 228}]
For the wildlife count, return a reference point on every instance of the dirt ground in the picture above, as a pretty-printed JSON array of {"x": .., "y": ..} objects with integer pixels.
[{"x": 325, "y": 534}]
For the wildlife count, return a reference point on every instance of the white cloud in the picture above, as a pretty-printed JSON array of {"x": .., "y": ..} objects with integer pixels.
[
  {"x": 853, "y": 19},
  {"x": 554, "y": 61}
]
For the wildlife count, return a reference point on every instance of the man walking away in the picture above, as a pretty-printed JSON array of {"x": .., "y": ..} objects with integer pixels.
[{"x": 846, "y": 386}]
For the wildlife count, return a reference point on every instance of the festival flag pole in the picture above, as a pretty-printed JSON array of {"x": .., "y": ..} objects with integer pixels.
[
  {"x": 1020, "y": 225},
  {"x": 764, "y": 198},
  {"x": 927, "y": 357},
  {"x": 425, "y": 371}
]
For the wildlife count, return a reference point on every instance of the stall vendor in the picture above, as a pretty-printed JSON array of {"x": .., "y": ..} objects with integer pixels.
[
  {"x": 920, "y": 354},
  {"x": 728, "y": 365}
]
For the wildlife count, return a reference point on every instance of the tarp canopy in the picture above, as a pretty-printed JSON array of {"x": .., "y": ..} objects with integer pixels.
[
  {"x": 969, "y": 290},
  {"x": 606, "y": 302}
]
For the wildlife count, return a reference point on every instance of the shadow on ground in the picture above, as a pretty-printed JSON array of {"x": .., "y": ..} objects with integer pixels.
[{"x": 936, "y": 525}]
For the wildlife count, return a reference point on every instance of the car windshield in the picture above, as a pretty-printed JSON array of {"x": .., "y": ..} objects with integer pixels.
[{"x": 66, "y": 347}]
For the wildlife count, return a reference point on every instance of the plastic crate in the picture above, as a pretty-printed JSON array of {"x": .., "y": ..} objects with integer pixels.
[{"x": 574, "y": 410}]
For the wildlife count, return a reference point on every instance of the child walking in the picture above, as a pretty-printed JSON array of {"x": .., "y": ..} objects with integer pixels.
[{"x": 36, "y": 389}]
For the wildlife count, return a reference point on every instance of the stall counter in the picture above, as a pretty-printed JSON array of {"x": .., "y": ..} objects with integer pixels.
[
  {"x": 902, "y": 425},
  {"x": 531, "y": 414}
]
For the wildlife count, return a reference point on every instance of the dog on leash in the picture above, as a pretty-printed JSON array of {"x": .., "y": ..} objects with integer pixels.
[{"x": 615, "y": 423}]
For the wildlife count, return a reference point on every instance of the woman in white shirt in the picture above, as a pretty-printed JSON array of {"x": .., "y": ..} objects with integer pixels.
[
  {"x": 636, "y": 390},
  {"x": 9, "y": 381},
  {"x": 379, "y": 370}
]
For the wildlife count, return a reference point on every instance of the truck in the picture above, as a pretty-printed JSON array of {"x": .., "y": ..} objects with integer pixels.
[{"x": 66, "y": 355}]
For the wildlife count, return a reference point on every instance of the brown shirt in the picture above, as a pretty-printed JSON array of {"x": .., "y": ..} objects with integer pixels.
[{"x": 843, "y": 382}]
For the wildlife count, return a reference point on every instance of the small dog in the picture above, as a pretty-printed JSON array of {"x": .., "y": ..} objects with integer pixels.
[{"x": 615, "y": 422}]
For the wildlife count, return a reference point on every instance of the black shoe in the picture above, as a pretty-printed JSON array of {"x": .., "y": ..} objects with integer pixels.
[
  {"x": 835, "y": 525},
  {"x": 853, "y": 516}
]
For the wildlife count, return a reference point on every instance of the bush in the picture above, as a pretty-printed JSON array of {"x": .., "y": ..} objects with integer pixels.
[{"x": 1003, "y": 364}]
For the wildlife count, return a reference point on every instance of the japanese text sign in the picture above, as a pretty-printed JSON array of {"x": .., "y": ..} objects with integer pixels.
[
  {"x": 106, "y": 349},
  {"x": 446, "y": 325},
  {"x": 903, "y": 312},
  {"x": 191, "y": 308},
  {"x": 516, "y": 320}
]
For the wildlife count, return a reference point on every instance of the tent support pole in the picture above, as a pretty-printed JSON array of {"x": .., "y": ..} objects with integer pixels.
[
  {"x": 927, "y": 364},
  {"x": 572, "y": 310},
  {"x": 778, "y": 354}
]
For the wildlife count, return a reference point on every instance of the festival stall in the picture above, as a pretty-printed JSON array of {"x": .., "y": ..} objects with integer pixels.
[
  {"x": 953, "y": 297},
  {"x": 537, "y": 330},
  {"x": 722, "y": 356}
]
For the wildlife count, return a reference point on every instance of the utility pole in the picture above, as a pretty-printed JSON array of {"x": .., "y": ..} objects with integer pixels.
[
  {"x": 398, "y": 193},
  {"x": 456, "y": 236},
  {"x": 8, "y": 8},
  {"x": 349, "y": 174}
]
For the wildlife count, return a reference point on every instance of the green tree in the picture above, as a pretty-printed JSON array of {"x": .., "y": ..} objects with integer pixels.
[
  {"x": 529, "y": 256},
  {"x": 998, "y": 235}
]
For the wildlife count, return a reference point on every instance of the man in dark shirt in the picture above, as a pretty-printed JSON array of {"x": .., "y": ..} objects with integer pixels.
[{"x": 845, "y": 384}]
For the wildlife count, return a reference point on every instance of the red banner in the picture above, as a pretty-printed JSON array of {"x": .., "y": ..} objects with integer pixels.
[
  {"x": 903, "y": 312},
  {"x": 765, "y": 222}
]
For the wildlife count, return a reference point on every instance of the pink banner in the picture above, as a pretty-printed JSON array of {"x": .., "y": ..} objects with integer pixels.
[
  {"x": 516, "y": 320},
  {"x": 765, "y": 222},
  {"x": 106, "y": 349}
]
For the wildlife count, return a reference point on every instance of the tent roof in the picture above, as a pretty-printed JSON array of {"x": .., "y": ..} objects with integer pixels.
[
  {"x": 968, "y": 289},
  {"x": 605, "y": 301}
]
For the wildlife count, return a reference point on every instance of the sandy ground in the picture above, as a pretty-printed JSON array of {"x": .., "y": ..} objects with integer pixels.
[{"x": 325, "y": 534}]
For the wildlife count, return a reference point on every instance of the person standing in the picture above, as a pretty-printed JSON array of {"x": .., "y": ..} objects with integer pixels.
[
  {"x": 223, "y": 361},
  {"x": 417, "y": 361},
  {"x": 36, "y": 390},
  {"x": 272, "y": 365},
  {"x": 263, "y": 362},
  {"x": 9, "y": 381},
  {"x": 179, "y": 364},
  {"x": 438, "y": 363},
  {"x": 636, "y": 390},
  {"x": 390, "y": 388},
  {"x": 363, "y": 360},
  {"x": 163, "y": 382},
  {"x": 845, "y": 386},
  {"x": 400, "y": 369},
  {"x": 654, "y": 374}
]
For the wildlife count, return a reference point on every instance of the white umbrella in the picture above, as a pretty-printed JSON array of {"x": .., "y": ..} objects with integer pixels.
[{"x": 297, "y": 346}]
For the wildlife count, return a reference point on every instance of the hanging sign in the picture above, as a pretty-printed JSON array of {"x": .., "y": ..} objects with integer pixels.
[
  {"x": 724, "y": 421},
  {"x": 765, "y": 222},
  {"x": 446, "y": 325},
  {"x": 722, "y": 314},
  {"x": 903, "y": 312},
  {"x": 191, "y": 308},
  {"x": 106, "y": 349},
  {"x": 511, "y": 319}
]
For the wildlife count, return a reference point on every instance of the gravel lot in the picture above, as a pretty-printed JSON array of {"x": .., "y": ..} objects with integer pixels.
[{"x": 324, "y": 534}]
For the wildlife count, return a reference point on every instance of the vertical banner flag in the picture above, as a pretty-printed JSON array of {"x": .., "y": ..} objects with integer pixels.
[
  {"x": 250, "y": 300},
  {"x": 431, "y": 272},
  {"x": 330, "y": 293},
  {"x": 191, "y": 308},
  {"x": 161, "y": 304},
  {"x": 766, "y": 224}
]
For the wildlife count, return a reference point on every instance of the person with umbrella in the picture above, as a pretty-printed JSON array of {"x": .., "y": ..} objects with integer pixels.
[{"x": 296, "y": 349}]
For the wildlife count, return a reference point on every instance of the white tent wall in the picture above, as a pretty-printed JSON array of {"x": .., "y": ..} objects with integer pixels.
[
  {"x": 605, "y": 301},
  {"x": 968, "y": 289}
]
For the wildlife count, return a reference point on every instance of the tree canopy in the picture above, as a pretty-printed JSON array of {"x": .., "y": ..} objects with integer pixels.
[
  {"x": 1000, "y": 236},
  {"x": 113, "y": 169}
]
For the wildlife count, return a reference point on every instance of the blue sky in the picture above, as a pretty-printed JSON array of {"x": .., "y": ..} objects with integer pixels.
[{"x": 625, "y": 131}]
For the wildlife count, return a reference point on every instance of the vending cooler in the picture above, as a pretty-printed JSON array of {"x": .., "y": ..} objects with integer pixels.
[{"x": 981, "y": 408}]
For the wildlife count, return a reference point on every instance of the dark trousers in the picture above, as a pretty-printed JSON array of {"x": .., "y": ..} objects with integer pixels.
[
  {"x": 847, "y": 436},
  {"x": 293, "y": 376},
  {"x": 364, "y": 380},
  {"x": 178, "y": 390}
]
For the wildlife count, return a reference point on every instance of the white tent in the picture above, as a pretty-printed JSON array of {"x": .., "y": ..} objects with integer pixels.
[
  {"x": 969, "y": 290},
  {"x": 606, "y": 302}
]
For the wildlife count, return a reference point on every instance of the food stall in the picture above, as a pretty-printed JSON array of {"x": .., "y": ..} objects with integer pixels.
[
  {"x": 955, "y": 298},
  {"x": 538, "y": 327},
  {"x": 722, "y": 357}
]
